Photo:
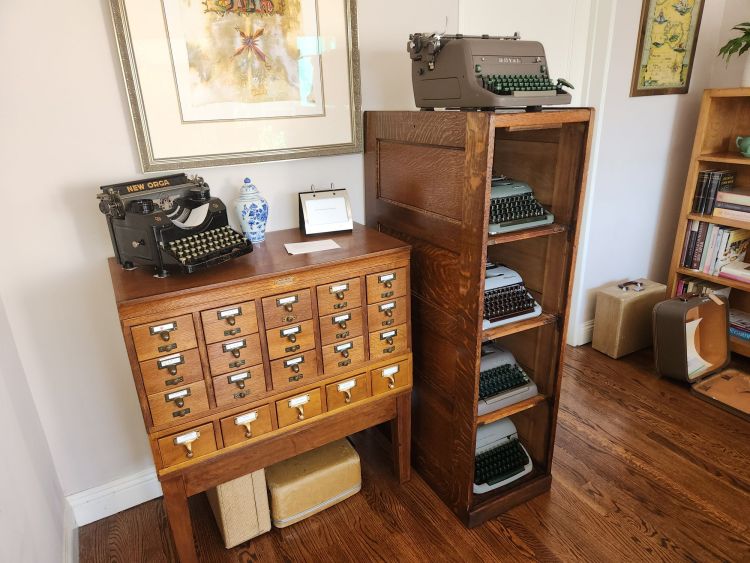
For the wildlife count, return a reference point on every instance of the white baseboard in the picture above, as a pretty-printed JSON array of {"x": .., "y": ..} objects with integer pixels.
[
  {"x": 70, "y": 535},
  {"x": 583, "y": 334},
  {"x": 108, "y": 499}
]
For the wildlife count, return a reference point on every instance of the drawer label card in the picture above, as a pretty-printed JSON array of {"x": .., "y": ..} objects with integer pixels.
[
  {"x": 287, "y": 300},
  {"x": 187, "y": 438},
  {"x": 167, "y": 327},
  {"x": 391, "y": 371},
  {"x": 343, "y": 347},
  {"x": 238, "y": 377},
  {"x": 347, "y": 385},
  {"x": 234, "y": 345},
  {"x": 175, "y": 360},
  {"x": 341, "y": 319},
  {"x": 299, "y": 401},
  {"x": 388, "y": 334},
  {"x": 294, "y": 361},
  {"x": 236, "y": 312},
  {"x": 339, "y": 288},
  {"x": 387, "y": 306},
  {"x": 246, "y": 418},
  {"x": 294, "y": 330},
  {"x": 177, "y": 395},
  {"x": 386, "y": 277}
]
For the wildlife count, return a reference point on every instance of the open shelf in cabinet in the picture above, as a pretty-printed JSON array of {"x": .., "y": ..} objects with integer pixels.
[
  {"x": 744, "y": 286},
  {"x": 719, "y": 221},
  {"x": 725, "y": 158},
  {"x": 510, "y": 410},
  {"x": 547, "y": 230}
]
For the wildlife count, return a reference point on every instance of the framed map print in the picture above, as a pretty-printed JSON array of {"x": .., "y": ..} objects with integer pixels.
[
  {"x": 666, "y": 46},
  {"x": 218, "y": 82}
]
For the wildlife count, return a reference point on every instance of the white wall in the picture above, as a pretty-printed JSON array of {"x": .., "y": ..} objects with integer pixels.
[
  {"x": 640, "y": 167},
  {"x": 729, "y": 75}
]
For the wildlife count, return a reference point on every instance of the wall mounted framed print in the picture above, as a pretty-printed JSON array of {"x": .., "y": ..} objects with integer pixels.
[
  {"x": 666, "y": 47},
  {"x": 219, "y": 82}
]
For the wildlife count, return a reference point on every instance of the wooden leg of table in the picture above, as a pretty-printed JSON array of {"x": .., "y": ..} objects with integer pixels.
[
  {"x": 178, "y": 513},
  {"x": 401, "y": 438}
]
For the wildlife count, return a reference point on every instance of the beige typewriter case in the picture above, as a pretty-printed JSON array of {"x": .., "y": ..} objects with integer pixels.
[{"x": 622, "y": 322}]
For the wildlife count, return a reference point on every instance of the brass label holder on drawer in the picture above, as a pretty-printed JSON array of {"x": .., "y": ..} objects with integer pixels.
[
  {"x": 186, "y": 441},
  {"x": 246, "y": 420},
  {"x": 346, "y": 388},
  {"x": 294, "y": 363},
  {"x": 229, "y": 315},
  {"x": 387, "y": 279},
  {"x": 170, "y": 363},
  {"x": 341, "y": 320},
  {"x": 287, "y": 302},
  {"x": 390, "y": 375},
  {"x": 299, "y": 403},
  {"x": 387, "y": 308},
  {"x": 339, "y": 290},
  {"x": 177, "y": 397},
  {"x": 238, "y": 379},
  {"x": 235, "y": 347},
  {"x": 344, "y": 348},
  {"x": 163, "y": 330},
  {"x": 291, "y": 333},
  {"x": 389, "y": 335}
]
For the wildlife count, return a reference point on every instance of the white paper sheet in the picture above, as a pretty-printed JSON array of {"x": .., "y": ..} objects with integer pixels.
[
  {"x": 312, "y": 246},
  {"x": 327, "y": 211},
  {"x": 695, "y": 363}
]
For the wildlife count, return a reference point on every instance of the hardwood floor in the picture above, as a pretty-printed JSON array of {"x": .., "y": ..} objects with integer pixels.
[{"x": 643, "y": 471}]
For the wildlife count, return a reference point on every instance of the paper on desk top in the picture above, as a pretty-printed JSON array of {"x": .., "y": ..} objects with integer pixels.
[{"x": 312, "y": 246}]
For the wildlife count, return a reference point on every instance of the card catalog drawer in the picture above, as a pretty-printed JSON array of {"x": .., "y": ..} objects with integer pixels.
[
  {"x": 294, "y": 371},
  {"x": 239, "y": 386},
  {"x": 227, "y": 322},
  {"x": 235, "y": 354},
  {"x": 390, "y": 377},
  {"x": 343, "y": 356},
  {"x": 298, "y": 408},
  {"x": 347, "y": 391},
  {"x": 339, "y": 296},
  {"x": 163, "y": 337},
  {"x": 172, "y": 406},
  {"x": 187, "y": 445},
  {"x": 169, "y": 372},
  {"x": 388, "y": 313},
  {"x": 287, "y": 308},
  {"x": 388, "y": 342},
  {"x": 386, "y": 285},
  {"x": 245, "y": 426},
  {"x": 340, "y": 326},
  {"x": 290, "y": 339}
]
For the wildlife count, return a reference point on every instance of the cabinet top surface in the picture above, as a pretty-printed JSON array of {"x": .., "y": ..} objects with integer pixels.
[
  {"x": 268, "y": 258},
  {"x": 513, "y": 115}
]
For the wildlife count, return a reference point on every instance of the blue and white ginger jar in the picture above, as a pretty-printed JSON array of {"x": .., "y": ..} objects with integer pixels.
[{"x": 252, "y": 210}]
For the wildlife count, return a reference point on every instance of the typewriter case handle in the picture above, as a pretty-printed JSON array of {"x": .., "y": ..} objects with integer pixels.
[{"x": 636, "y": 285}]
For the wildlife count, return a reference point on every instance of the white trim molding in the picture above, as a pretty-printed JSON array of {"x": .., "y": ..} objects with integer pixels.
[
  {"x": 108, "y": 499},
  {"x": 70, "y": 535},
  {"x": 582, "y": 334}
]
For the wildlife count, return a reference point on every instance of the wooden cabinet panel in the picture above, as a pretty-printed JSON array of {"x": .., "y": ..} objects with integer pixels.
[
  {"x": 170, "y": 372},
  {"x": 245, "y": 426},
  {"x": 287, "y": 308},
  {"x": 172, "y": 406},
  {"x": 339, "y": 296},
  {"x": 298, "y": 408},
  {"x": 386, "y": 285},
  {"x": 343, "y": 356},
  {"x": 230, "y": 321},
  {"x": 390, "y": 377},
  {"x": 234, "y": 354},
  {"x": 294, "y": 371},
  {"x": 388, "y": 313},
  {"x": 239, "y": 387},
  {"x": 340, "y": 326},
  {"x": 187, "y": 445},
  {"x": 163, "y": 337},
  {"x": 290, "y": 339},
  {"x": 347, "y": 391},
  {"x": 388, "y": 342}
]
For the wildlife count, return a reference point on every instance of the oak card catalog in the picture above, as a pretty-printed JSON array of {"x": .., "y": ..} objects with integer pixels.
[{"x": 217, "y": 82}]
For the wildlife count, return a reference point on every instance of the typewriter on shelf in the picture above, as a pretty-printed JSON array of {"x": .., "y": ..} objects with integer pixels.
[
  {"x": 502, "y": 382},
  {"x": 482, "y": 72},
  {"x": 500, "y": 458},
  {"x": 506, "y": 298},
  {"x": 513, "y": 207},
  {"x": 171, "y": 224}
]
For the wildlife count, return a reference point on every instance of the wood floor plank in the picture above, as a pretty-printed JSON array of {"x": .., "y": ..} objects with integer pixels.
[{"x": 643, "y": 471}]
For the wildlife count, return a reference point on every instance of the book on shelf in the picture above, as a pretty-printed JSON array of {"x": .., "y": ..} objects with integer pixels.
[
  {"x": 737, "y": 196},
  {"x": 701, "y": 287},
  {"x": 742, "y": 334},
  {"x": 708, "y": 248},
  {"x": 738, "y": 271},
  {"x": 700, "y": 191},
  {"x": 739, "y": 319},
  {"x": 710, "y": 183},
  {"x": 731, "y": 214}
]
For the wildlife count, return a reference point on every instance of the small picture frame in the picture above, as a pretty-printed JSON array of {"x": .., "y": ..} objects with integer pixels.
[{"x": 327, "y": 211}]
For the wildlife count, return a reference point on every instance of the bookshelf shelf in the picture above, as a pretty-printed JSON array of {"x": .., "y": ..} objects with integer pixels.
[
  {"x": 547, "y": 230},
  {"x": 511, "y": 410},
  {"x": 743, "y": 286},
  {"x": 725, "y": 158},
  {"x": 520, "y": 326},
  {"x": 739, "y": 346},
  {"x": 719, "y": 221}
]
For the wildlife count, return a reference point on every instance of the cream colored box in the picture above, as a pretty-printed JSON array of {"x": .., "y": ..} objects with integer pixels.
[
  {"x": 622, "y": 323},
  {"x": 241, "y": 508},
  {"x": 311, "y": 482}
]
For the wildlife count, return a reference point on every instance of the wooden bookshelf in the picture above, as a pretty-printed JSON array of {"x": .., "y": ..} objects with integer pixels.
[
  {"x": 724, "y": 115},
  {"x": 427, "y": 177}
]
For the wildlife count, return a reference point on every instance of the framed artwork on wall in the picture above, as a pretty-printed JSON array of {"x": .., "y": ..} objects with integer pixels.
[
  {"x": 666, "y": 47},
  {"x": 219, "y": 82}
]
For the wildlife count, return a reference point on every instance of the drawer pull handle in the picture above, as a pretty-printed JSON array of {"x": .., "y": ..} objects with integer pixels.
[
  {"x": 389, "y": 340},
  {"x": 175, "y": 381},
  {"x": 289, "y": 307},
  {"x": 388, "y": 284},
  {"x": 345, "y": 353},
  {"x": 180, "y": 403},
  {"x": 186, "y": 441},
  {"x": 339, "y": 295},
  {"x": 342, "y": 324},
  {"x": 248, "y": 430},
  {"x": 292, "y": 338},
  {"x": 388, "y": 312},
  {"x": 164, "y": 336},
  {"x": 300, "y": 413},
  {"x": 295, "y": 368},
  {"x": 236, "y": 352},
  {"x": 172, "y": 370},
  {"x": 391, "y": 381},
  {"x": 347, "y": 396},
  {"x": 246, "y": 420},
  {"x": 241, "y": 384},
  {"x": 231, "y": 321}
]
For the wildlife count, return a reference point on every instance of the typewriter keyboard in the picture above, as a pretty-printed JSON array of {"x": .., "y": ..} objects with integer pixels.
[
  {"x": 507, "y": 84},
  {"x": 506, "y": 302},
  {"x": 204, "y": 247},
  {"x": 516, "y": 209},
  {"x": 500, "y": 379},
  {"x": 500, "y": 463}
]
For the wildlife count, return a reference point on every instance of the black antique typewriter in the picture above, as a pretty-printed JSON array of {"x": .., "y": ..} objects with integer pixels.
[
  {"x": 513, "y": 207},
  {"x": 506, "y": 298},
  {"x": 171, "y": 224},
  {"x": 502, "y": 382},
  {"x": 482, "y": 72},
  {"x": 500, "y": 458}
]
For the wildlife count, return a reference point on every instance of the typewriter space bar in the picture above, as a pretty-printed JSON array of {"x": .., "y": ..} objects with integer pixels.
[
  {"x": 505, "y": 475},
  {"x": 534, "y": 93}
]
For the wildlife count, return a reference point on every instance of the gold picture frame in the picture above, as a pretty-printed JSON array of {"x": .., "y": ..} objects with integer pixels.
[
  {"x": 667, "y": 37},
  {"x": 173, "y": 131}
]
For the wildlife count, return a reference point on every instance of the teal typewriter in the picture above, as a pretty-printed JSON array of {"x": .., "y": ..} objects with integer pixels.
[
  {"x": 513, "y": 207},
  {"x": 502, "y": 382},
  {"x": 500, "y": 458}
]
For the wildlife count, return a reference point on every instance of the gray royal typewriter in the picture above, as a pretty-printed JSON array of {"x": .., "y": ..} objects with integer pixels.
[{"x": 482, "y": 72}]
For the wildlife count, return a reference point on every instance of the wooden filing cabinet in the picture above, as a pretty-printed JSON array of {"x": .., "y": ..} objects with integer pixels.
[{"x": 267, "y": 356}]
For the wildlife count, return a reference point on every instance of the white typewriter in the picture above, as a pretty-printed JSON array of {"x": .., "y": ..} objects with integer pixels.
[
  {"x": 500, "y": 458},
  {"x": 506, "y": 298},
  {"x": 502, "y": 382}
]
